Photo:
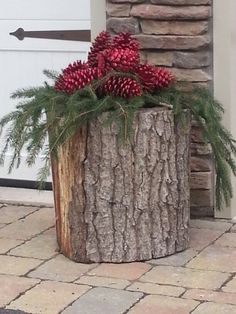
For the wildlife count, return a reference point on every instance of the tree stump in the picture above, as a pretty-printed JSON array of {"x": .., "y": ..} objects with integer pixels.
[{"x": 124, "y": 202}]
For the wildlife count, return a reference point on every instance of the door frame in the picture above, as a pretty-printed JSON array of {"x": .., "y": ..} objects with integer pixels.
[
  {"x": 98, "y": 17},
  {"x": 225, "y": 74}
]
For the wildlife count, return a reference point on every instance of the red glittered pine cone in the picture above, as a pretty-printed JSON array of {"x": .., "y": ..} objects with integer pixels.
[
  {"x": 70, "y": 82},
  {"x": 125, "y": 40},
  {"x": 75, "y": 66},
  {"x": 163, "y": 78},
  {"x": 122, "y": 86},
  {"x": 101, "y": 67},
  {"x": 147, "y": 76},
  {"x": 120, "y": 59},
  {"x": 101, "y": 42},
  {"x": 153, "y": 78}
]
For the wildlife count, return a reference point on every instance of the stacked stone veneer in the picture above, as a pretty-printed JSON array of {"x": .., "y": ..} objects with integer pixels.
[{"x": 175, "y": 34}]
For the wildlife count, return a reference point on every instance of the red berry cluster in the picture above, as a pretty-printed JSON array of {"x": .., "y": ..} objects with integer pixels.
[{"x": 116, "y": 60}]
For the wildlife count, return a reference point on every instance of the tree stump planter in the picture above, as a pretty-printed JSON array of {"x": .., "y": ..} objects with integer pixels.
[{"x": 122, "y": 203}]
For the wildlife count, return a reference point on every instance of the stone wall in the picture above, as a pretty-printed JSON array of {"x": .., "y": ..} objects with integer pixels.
[{"x": 175, "y": 34}]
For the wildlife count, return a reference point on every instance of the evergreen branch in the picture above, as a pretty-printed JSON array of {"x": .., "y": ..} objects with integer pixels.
[
  {"x": 43, "y": 173},
  {"x": 51, "y": 74},
  {"x": 26, "y": 92},
  {"x": 43, "y": 110},
  {"x": 124, "y": 113},
  {"x": 203, "y": 105}
]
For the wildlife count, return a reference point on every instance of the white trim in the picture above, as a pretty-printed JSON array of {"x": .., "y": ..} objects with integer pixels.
[
  {"x": 225, "y": 73},
  {"x": 26, "y": 197},
  {"x": 98, "y": 17}
]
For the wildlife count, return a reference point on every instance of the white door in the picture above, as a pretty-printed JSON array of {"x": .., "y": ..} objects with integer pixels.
[{"x": 22, "y": 61}]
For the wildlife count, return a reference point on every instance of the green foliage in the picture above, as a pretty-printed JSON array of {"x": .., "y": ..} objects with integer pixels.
[
  {"x": 208, "y": 112},
  {"x": 43, "y": 111}
]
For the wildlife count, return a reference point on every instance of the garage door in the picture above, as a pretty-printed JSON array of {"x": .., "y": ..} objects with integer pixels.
[{"x": 25, "y": 53}]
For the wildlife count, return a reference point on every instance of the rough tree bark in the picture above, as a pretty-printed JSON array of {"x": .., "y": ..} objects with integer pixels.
[{"x": 122, "y": 203}]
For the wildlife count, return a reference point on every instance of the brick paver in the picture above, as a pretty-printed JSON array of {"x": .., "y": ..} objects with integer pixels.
[
  {"x": 207, "y": 295},
  {"x": 12, "y": 286},
  {"x": 216, "y": 258},
  {"x": 214, "y": 308},
  {"x": 11, "y": 213},
  {"x": 150, "y": 288},
  {"x": 199, "y": 239},
  {"x": 30, "y": 226},
  {"x": 104, "y": 301},
  {"x": 5, "y": 311},
  {"x": 48, "y": 297},
  {"x": 61, "y": 269},
  {"x": 12, "y": 265},
  {"x": 104, "y": 282},
  {"x": 227, "y": 239},
  {"x": 7, "y": 244},
  {"x": 129, "y": 271},
  {"x": 211, "y": 224},
  {"x": 163, "y": 305},
  {"x": 230, "y": 286},
  {"x": 35, "y": 278},
  {"x": 42, "y": 247},
  {"x": 178, "y": 259},
  {"x": 190, "y": 278},
  {"x": 50, "y": 232},
  {"x": 233, "y": 229}
]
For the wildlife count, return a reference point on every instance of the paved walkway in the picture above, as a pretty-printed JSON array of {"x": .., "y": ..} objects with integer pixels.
[{"x": 35, "y": 278}]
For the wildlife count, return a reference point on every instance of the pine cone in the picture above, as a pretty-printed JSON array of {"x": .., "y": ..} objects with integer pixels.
[
  {"x": 124, "y": 40},
  {"x": 147, "y": 76},
  {"x": 153, "y": 78},
  {"x": 101, "y": 43},
  {"x": 70, "y": 82},
  {"x": 163, "y": 78},
  {"x": 75, "y": 66},
  {"x": 125, "y": 87},
  {"x": 120, "y": 59}
]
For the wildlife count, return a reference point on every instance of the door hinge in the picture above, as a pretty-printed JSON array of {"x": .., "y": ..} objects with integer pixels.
[{"x": 72, "y": 35}]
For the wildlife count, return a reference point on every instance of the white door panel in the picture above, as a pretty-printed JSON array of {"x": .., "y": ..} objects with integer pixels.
[
  {"x": 45, "y": 10},
  {"x": 22, "y": 62},
  {"x": 24, "y": 69}
]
